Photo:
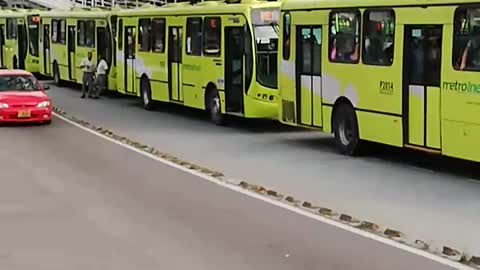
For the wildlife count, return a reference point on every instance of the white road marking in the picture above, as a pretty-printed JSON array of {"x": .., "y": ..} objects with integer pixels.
[{"x": 239, "y": 189}]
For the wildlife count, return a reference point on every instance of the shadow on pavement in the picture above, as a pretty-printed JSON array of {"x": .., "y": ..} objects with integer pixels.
[
  {"x": 323, "y": 143},
  {"x": 382, "y": 153},
  {"x": 236, "y": 123}
]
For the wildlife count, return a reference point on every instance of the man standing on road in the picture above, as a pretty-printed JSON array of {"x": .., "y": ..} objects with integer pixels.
[
  {"x": 100, "y": 78},
  {"x": 88, "y": 69}
]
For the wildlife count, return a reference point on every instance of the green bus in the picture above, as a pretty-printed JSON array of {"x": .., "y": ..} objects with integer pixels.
[
  {"x": 66, "y": 37},
  {"x": 213, "y": 55},
  {"x": 397, "y": 72},
  {"x": 19, "y": 29}
]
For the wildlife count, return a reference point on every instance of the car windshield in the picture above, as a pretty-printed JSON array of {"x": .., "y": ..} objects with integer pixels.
[{"x": 25, "y": 83}]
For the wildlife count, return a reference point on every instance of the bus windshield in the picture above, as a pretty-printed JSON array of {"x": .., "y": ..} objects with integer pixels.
[{"x": 265, "y": 30}]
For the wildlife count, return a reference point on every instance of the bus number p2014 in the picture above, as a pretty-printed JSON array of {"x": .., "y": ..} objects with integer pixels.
[{"x": 386, "y": 87}]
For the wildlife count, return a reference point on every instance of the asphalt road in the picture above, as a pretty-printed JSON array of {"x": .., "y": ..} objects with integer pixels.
[
  {"x": 426, "y": 198},
  {"x": 72, "y": 200}
]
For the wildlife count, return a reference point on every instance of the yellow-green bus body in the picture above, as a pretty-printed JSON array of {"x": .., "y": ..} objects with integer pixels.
[
  {"x": 66, "y": 37},
  {"x": 19, "y": 30},
  {"x": 183, "y": 64},
  {"x": 413, "y": 82}
]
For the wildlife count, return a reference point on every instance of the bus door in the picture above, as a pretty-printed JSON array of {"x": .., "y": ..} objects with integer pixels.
[
  {"x": 2, "y": 44},
  {"x": 121, "y": 57},
  {"x": 308, "y": 80},
  {"x": 46, "y": 49},
  {"x": 234, "y": 68},
  {"x": 113, "y": 44},
  {"x": 103, "y": 46},
  {"x": 22, "y": 41},
  {"x": 421, "y": 85},
  {"x": 71, "y": 53},
  {"x": 175, "y": 63},
  {"x": 129, "y": 67}
]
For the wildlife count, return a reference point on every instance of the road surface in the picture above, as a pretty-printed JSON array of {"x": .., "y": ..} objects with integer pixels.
[
  {"x": 432, "y": 202},
  {"x": 72, "y": 200}
]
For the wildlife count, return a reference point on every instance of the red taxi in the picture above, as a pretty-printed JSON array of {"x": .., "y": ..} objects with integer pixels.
[{"x": 23, "y": 98}]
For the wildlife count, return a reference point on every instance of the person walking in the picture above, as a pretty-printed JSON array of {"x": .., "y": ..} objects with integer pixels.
[
  {"x": 100, "y": 78},
  {"x": 88, "y": 69}
]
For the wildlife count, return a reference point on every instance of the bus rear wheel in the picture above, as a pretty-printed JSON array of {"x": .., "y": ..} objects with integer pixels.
[
  {"x": 214, "y": 108},
  {"x": 56, "y": 74},
  {"x": 345, "y": 128},
  {"x": 145, "y": 88}
]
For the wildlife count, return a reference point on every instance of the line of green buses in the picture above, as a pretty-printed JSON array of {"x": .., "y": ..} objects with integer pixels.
[{"x": 396, "y": 72}]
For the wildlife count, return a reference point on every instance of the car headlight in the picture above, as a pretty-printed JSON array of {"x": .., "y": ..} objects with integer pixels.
[
  {"x": 43, "y": 104},
  {"x": 3, "y": 106}
]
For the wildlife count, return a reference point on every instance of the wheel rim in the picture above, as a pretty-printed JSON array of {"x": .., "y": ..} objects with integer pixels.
[
  {"x": 346, "y": 131},
  {"x": 57, "y": 78},
  {"x": 215, "y": 105},
  {"x": 145, "y": 97}
]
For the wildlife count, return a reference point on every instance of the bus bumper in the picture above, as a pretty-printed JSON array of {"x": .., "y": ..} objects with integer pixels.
[{"x": 256, "y": 108}]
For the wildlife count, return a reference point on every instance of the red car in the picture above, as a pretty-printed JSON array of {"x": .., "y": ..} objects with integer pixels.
[{"x": 23, "y": 98}]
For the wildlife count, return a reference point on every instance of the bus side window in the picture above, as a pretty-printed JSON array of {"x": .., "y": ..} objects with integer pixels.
[
  {"x": 11, "y": 28},
  {"x": 158, "y": 35},
  {"x": 62, "y": 31},
  {"x": 113, "y": 38},
  {"x": 466, "y": 45},
  {"x": 248, "y": 57},
  {"x": 378, "y": 41},
  {"x": 286, "y": 35},
  {"x": 194, "y": 36},
  {"x": 120, "y": 34},
  {"x": 212, "y": 36},
  {"x": 144, "y": 30},
  {"x": 55, "y": 35},
  {"x": 81, "y": 33},
  {"x": 90, "y": 34},
  {"x": 344, "y": 36}
]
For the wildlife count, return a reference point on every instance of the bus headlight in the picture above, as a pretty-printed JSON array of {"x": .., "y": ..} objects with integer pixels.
[
  {"x": 43, "y": 104},
  {"x": 3, "y": 106}
]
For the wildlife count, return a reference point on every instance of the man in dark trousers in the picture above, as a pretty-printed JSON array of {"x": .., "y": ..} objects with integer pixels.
[{"x": 88, "y": 68}]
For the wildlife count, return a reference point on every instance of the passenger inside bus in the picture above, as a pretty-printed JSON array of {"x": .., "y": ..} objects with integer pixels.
[
  {"x": 344, "y": 48},
  {"x": 417, "y": 65},
  {"x": 378, "y": 47},
  {"x": 471, "y": 54}
]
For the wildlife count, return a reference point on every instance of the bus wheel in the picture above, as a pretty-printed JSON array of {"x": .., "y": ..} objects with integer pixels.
[
  {"x": 56, "y": 74},
  {"x": 146, "y": 94},
  {"x": 214, "y": 107},
  {"x": 345, "y": 128}
]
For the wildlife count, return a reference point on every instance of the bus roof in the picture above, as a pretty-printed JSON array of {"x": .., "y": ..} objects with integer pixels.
[
  {"x": 206, "y": 7},
  {"x": 17, "y": 13},
  {"x": 77, "y": 12},
  {"x": 319, "y": 4}
]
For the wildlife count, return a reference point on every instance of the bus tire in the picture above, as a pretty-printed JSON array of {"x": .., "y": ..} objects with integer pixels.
[
  {"x": 15, "y": 62},
  {"x": 56, "y": 74},
  {"x": 214, "y": 107},
  {"x": 345, "y": 128},
  {"x": 146, "y": 92}
]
